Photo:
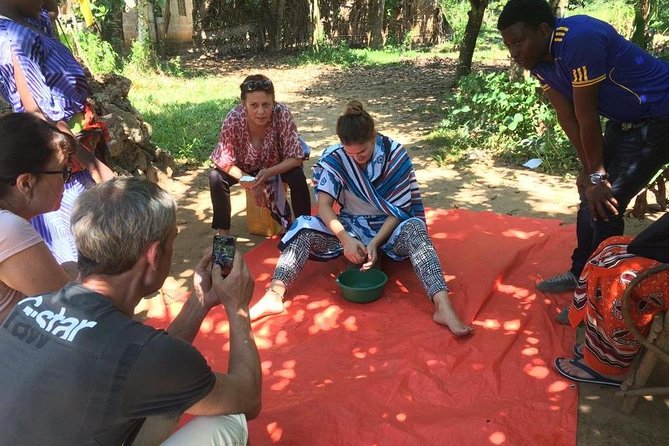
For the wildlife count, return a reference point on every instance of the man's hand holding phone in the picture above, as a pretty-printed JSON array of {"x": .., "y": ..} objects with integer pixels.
[
  {"x": 202, "y": 282},
  {"x": 236, "y": 289},
  {"x": 223, "y": 252},
  {"x": 231, "y": 280}
]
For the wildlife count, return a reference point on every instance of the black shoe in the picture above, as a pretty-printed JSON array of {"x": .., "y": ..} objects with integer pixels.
[{"x": 558, "y": 284}]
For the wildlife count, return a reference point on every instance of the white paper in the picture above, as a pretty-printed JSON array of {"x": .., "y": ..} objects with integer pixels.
[
  {"x": 533, "y": 163},
  {"x": 247, "y": 179}
]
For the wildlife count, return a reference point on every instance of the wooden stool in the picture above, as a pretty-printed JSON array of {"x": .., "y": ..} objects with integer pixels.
[
  {"x": 259, "y": 219},
  {"x": 652, "y": 347}
]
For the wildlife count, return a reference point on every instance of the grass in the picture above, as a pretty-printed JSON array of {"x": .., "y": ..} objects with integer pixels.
[
  {"x": 185, "y": 113},
  {"x": 343, "y": 56}
]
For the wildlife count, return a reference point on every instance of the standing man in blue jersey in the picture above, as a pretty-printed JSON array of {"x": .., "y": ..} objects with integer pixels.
[{"x": 588, "y": 70}]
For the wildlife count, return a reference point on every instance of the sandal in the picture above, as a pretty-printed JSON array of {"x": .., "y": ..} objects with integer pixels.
[{"x": 595, "y": 377}]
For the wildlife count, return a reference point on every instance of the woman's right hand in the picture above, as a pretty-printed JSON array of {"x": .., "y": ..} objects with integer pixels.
[
  {"x": 354, "y": 250},
  {"x": 372, "y": 256},
  {"x": 236, "y": 289}
]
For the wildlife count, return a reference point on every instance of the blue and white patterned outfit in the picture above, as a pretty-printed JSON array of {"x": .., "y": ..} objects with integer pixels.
[
  {"x": 368, "y": 194},
  {"x": 58, "y": 85}
]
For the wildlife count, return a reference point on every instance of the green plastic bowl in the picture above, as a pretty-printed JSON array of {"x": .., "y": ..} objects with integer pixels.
[{"x": 362, "y": 286}]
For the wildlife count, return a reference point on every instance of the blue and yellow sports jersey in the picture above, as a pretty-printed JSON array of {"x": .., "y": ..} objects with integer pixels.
[{"x": 633, "y": 85}]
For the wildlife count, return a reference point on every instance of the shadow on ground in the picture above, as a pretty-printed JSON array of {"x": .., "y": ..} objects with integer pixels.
[{"x": 407, "y": 101}]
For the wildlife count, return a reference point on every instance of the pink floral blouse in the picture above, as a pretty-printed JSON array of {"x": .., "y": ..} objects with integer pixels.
[{"x": 235, "y": 148}]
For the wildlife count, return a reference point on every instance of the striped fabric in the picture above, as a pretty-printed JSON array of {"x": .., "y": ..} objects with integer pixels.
[
  {"x": 387, "y": 181},
  {"x": 55, "y": 79},
  {"x": 54, "y": 227},
  {"x": 58, "y": 85},
  {"x": 610, "y": 347}
]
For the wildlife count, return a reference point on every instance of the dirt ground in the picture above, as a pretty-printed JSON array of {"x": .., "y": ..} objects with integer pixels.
[{"x": 406, "y": 100}]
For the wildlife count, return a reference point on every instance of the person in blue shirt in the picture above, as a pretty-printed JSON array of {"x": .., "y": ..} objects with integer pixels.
[{"x": 588, "y": 70}]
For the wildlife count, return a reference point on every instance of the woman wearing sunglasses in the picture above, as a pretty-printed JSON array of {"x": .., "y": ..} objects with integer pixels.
[
  {"x": 34, "y": 167},
  {"x": 259, "y": 141},
  {"x": 372, "y": 178},
  {"x": 39, "y": 75}
]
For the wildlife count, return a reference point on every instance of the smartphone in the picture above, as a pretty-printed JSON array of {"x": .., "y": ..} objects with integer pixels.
[{"x": 223, "y": 252}]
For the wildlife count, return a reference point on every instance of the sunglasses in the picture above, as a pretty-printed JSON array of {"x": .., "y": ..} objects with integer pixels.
[
  {"x": 66, "y": 172},
  {"x": 262, "y": 84}
]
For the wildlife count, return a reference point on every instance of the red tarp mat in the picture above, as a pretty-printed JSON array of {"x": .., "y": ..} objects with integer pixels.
[{"x": 338, "y": 373}]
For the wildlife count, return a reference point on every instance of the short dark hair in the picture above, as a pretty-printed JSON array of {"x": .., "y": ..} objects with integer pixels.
[
  {"x": 27, "y": 143},
  {"x": 355, "y": 125},
  {"x": 530, "y": 12},
  {"x": 258, "y": 82}
]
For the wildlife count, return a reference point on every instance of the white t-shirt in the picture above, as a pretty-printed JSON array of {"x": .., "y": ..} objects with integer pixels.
[{"x": 16, "y": 235}]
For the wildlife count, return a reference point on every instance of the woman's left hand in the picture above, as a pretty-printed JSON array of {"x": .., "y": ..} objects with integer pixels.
[{"x": 372, "y": 256}]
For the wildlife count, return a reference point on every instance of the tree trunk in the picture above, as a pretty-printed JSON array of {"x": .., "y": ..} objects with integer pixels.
[
  {"x": 642, "y": 12},
  {"x": 559, "y": 7},
  {"x": 277, "y": 29},
  {"x": 143, "y": 21},
  {"x": 469, "y": 40},
  {"x": 439, "y": 25},
  {"x": 167, "y": 15},
  {"x": 316, "y": 24},
  {"x": 376, "y": 12}
]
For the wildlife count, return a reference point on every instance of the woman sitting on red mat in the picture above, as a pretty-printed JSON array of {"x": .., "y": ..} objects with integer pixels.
[
  {"x": 259, "y": 139},
  {"x": 372, "y": 178}
]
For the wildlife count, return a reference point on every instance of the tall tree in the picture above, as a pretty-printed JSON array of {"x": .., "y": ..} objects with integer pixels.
[
  {"x": 377, "y": 9},
  {"x": 643, "y": 9},
  {"x": 468, "y": 45},
  {"x": 316, "y": 23},
  {"x": 144, "y": 21},
  {"x": 167, "y": 15},
  {"x": 145, "y": 54},
  {"x": 276, "y": 30}
]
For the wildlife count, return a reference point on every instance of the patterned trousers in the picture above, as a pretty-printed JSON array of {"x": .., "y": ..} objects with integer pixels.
[{"x": 412, "y": 242}]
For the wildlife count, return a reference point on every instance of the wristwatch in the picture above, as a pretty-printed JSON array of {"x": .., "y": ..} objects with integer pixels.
[{"x": 598, "y": 177}]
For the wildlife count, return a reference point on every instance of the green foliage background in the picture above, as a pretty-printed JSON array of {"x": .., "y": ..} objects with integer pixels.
[{"x": 509, "y": 120}]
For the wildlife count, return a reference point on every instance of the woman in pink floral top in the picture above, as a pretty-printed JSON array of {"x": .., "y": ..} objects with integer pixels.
[{"x": 259, "y": 138}]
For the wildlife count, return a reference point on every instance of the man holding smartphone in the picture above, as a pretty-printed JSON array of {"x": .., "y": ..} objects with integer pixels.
[
  {"x": 223, "y": 252},
  {"x": 77, "y": 369}
]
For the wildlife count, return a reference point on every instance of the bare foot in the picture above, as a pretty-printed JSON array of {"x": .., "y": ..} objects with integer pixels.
[
  {"x": 271, "y": 303},
  {"x": 445, "y": 315}
]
